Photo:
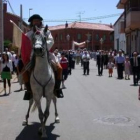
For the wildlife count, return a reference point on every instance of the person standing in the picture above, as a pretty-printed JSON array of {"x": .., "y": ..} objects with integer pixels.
[
  {"x": 64, "y": 65},
  {"x": 6, "y": 70},
  {"x": 127, "y": 68},
  {"x": 100, "y": 63},
  {"x": 73, "y": 60},
  {"x": 77, "y": 56},
  {"x": 86, "y": 58},
  {"x": 119, "y": 60},
  {"x": 105, "y": 59},
  {"x": 110, "y": 66},
  {"x": 20, "y": 66},
  {"x": 69, "y": 57},
  {"x": 135, "y": 64},
  {"x": 13, "y": 58}
]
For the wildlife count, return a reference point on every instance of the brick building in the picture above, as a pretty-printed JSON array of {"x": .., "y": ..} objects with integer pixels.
[
  {"x": 64, "y": 35},
  {"x": 8, "y": 27}
]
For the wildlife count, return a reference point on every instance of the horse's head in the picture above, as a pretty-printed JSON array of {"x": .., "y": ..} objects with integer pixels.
[{"x": 39, "y": 43}]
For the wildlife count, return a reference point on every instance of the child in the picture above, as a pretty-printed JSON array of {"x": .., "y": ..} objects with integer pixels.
[
  {"x": 110, "y": 68},
  {"x": 127, "y": 68}
]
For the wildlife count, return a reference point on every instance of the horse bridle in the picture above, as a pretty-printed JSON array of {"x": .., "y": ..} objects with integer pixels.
[{"x": 43, "y": 41}]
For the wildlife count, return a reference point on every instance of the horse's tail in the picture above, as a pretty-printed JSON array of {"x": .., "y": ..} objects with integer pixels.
[{"x": 34, "y": 107}]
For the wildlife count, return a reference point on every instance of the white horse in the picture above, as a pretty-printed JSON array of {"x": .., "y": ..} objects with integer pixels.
[{"x": 42, "y": 81}]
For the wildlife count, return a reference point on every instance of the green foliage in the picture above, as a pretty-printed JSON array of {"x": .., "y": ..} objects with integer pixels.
[{"x": 6, "y": 43}]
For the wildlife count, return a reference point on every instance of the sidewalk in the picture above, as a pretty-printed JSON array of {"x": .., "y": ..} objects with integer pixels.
[{"x": 14, "y": 77}]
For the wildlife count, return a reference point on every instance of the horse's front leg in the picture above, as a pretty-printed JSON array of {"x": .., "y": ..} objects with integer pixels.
[
  {"x": 57, "y": 120},
  {"x": 25, "y": 122},
  {"x": 42, "y": 130}
]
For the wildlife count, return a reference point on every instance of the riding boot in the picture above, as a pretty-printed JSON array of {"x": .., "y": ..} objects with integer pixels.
[
  {"x": 58, "y": 90},
  {"x": 28, "y": 93}
]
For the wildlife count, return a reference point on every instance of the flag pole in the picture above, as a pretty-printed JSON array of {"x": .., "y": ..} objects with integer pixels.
[{"x": 16, "y": 26}]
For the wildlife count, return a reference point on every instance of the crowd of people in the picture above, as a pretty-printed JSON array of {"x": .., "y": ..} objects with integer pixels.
[
  {"x": 125, "y": 65},
  {"x": 65, "y": 60},
  {"x": 11, "y": 63}
]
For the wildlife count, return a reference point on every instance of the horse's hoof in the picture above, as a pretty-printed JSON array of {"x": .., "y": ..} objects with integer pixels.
[
  {"x": 44, "y": 136},
  {"x": 24, "y": 123},
  {"x": 57, "y": 120},
  {"x": 40, "y": 131}
]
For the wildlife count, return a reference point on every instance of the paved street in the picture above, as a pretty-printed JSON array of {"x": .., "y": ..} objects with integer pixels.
[{"x": 94, "y": 108}]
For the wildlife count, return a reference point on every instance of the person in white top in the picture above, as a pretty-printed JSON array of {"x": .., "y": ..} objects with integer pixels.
[
  {"x": 9, "y": 53},
  {"x": 6, "y": 70},
  {"x": 13, "y": 61},
  {"x": 55, "y": 60},
  {"x": 86, "y": 58}
]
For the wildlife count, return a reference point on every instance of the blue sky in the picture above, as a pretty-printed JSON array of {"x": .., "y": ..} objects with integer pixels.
[{"x": 65, "y": 10}]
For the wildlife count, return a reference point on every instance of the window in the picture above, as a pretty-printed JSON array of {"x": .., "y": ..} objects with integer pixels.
[
  {"x": 97, "y": 37},
  {"x": 79, "y": 36},
  {"x": 111, "y": 38},
  {"x": 104, "y": 37},
  {"x": 90, "y": 37},
  {"x": 61, "y": 37},
  {"x": 56, "y": 37}
]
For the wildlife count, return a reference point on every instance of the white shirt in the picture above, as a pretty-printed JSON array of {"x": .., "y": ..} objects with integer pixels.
[
  {"x": 9, "y": 55},
  {"x": 110, "y": 65},
  {"x": 13, "y": 57},
  {"x": 16, "y": 62},
  {"x": 9, "y": 65},
  {"x": 49, "y": 41},
  {"x": 135, "y": 59},
  {"x": 86, "y": 57}
]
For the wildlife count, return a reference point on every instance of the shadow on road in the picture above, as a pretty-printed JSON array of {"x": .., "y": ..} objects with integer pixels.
[
  {"x": 3, "y": 95},
  {"x": 30, "y": 132},
  {"x": 14, "y": 82},
  {"x": 18, "y": 90},
  {"x": 134, "y": 85}
]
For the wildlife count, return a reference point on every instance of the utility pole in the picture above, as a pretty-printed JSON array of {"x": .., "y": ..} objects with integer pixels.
[
  {"x": 21, "y": 21},
  {"x": 80, "y": 14},
  {"x": 1, "y": 26}
]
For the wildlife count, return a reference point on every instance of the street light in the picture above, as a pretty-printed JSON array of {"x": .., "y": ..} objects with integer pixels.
[
  {"x": 101, "y": 41},
  {"x": 68, "y": 39},
  {"x": 29, "y": 11}
]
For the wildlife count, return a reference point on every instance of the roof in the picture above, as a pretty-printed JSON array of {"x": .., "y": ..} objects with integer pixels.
[
  {"x": 121, "y": 3},
  {"x": 17, "y": 17},
  {"x": 119, "y": 18},
  {"x": 84, "y": 25}
]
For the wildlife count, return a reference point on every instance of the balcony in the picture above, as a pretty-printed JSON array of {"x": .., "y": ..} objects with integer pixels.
[
  {"x": 121, "y": 27},
  {"x": 121, "y": 3},
  {"x": 133, "y": 19}
]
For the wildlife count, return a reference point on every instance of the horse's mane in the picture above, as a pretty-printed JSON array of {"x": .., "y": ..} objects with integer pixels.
[{"x": 32, "y": 65}]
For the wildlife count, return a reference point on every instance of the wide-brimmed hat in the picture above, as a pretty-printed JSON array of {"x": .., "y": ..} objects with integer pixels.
[{"x": 35, "y": 16}]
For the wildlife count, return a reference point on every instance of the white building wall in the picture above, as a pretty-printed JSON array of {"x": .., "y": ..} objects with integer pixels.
[{"x": 119, "y": 36}]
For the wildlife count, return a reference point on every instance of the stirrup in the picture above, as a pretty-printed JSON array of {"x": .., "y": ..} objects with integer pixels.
[
  {"x": 27, "y": 95},
  {"x": 59, "y": 93}
]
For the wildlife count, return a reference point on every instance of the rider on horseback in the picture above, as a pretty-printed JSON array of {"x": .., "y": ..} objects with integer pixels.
[{"x": 36, "y": 22}]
